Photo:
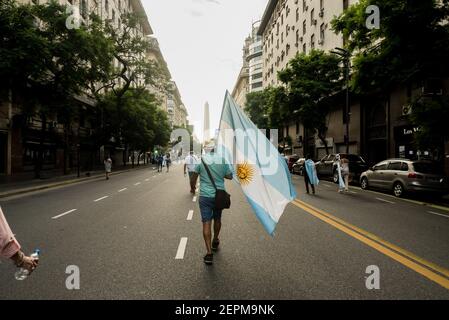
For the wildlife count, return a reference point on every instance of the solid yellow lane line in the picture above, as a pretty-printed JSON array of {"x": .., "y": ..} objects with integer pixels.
[
  {"x": 442, "y": 281},
  {"x": 385, "y": 243}
]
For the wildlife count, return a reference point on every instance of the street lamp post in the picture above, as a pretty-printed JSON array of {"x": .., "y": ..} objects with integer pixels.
[{"x": 345, "y": 54}]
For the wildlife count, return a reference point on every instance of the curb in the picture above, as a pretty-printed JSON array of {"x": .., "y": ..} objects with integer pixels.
[{"x": 62, "y": 183}]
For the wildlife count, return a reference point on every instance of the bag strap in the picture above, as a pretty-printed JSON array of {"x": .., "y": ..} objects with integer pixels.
[{"x": 209, "y": 174}]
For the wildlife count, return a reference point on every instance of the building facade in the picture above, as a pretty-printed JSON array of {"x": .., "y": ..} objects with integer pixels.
[
  {"x": 20, "y": 145},
  {"x": 378, "y": 126},
  {"x": 251, "y": 74},
  {"x": 170, "y": 100}
]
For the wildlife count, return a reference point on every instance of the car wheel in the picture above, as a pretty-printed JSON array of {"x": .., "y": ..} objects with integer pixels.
[
  {"x": 364, "y": 183},
  {"x": 335, "y": 178},
  {"x": 398, "y": 189}
]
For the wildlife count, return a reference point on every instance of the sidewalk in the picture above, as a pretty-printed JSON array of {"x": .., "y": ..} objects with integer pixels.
[{"x": 24, "y": 183}]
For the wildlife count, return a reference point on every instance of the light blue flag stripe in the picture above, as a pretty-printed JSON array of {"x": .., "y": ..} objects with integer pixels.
[{"x": 236, "y": 119}]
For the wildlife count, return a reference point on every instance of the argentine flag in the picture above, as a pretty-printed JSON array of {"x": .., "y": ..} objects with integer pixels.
[{"x": 259, "y": 168}]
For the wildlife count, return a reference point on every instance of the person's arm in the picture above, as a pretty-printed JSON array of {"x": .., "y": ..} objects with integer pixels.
[
  {"x": 8, "y": 243},
  {"x": 10, "y": 247}
]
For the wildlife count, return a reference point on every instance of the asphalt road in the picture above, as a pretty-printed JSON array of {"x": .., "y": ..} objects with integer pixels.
[{"x": 126, "y": 237}]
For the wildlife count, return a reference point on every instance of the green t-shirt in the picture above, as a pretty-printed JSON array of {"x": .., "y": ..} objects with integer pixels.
[{"x": 218, "y": 170}]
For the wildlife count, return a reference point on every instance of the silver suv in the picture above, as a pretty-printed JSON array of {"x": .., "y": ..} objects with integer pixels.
[{"x": 403, "y": 175}]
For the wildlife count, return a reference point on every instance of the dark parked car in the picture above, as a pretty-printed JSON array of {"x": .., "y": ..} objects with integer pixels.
[
  {"x": 403, "y": 175},
  {"x": 298, "y": 166},
  {"x": 327, "y": 167}
]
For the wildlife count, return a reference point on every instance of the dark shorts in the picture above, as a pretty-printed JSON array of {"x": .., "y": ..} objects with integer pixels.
[{"x": 207, "y": 209}]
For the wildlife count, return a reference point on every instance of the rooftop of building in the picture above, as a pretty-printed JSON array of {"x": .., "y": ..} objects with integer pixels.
[{"x": 266, "y": 16}]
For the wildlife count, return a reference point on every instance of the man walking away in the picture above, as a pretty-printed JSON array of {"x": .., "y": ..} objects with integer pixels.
[
  {"x": 190, "y": 163},
  {"x": 167, "y": 161},
  {"x": 345, "y": 171},
  {"x": 310, "y": 176},
  {"x": 160, "y": 161},
  {"x": 219, "y": 171},
  {"x": 108, "y": 167}
]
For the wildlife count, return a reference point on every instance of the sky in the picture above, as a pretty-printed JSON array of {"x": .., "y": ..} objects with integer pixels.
[{"x": 202, "y": 42}]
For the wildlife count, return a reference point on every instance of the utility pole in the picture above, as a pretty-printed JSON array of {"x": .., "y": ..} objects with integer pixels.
[{"x": 346, "y": 56}]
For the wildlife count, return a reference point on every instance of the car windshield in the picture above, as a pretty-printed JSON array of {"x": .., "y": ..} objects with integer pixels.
[{"x": 425, "y": 167}]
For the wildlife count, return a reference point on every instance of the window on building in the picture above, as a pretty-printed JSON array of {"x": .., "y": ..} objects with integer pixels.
[
  {"x": 277, "y": 29},
  {"x": 83, "y": 9},
  {"x": 297, "y": 14},
  {"x": 304, "y": 5},
  {"x": 322, "y": 33},
  {"x": 297, "y": 37},
  {"x": 304, "y": 27},
  {"x": 106, "y": 8},
  {"x": 345, "y": 4},
  {"x": 321, "y": 5},
  {"x": 282, "y": 19},
  {"x": 312, "y": 16},
  {"x": 282, "y": 37},
  {"x": 287, "y": 49},
  {"x": 312, "y": 41},
  {"x": 297, "y": 127},
  {"x": 113, "y": 16},
  {"x": 304, "y": 48},
  {"x": 286, "y": 30}
]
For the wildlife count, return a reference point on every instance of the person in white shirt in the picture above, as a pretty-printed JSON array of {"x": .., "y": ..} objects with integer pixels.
[{"x": 190, "y": 163}]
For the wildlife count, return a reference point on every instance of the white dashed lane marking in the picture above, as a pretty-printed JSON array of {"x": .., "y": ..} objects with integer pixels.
[
  {"x": 102, "y": 198},
  {"x": 136, "y": 184},
  {"x": 63, "y": 214},
  {"x": 190, "y": 215},
  {"x": 438, "y": 214},
  {"x": 181, "y": 249},
  {"x": 383, "y": 200},
  {"x": 123, "y": 189},
  {"x": 194, "y": 199}
]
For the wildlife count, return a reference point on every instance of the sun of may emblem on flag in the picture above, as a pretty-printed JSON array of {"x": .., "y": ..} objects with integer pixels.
[{"x": 245, "y": 173}]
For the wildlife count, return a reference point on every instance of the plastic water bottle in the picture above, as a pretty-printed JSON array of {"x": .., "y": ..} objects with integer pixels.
[{"x": 23, "y": 273}]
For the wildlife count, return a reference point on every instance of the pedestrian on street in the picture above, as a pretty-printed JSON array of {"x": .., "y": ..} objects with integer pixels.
[
  {"x": 343, "y": 173},
  {"x": 310, "y": 175},
  {"x": 160, "y": 162},
  {"x": 107, "y": 167},
  {"x": 212, "y": 171},
  {"x": 190, "y": 163},
  {"x": 167, "y": 161},
  {"x": 10, "y": 248}
]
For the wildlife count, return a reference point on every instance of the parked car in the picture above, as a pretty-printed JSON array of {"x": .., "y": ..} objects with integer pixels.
[
  {"x": 402, "y": 175},
  {"x": 327, "y": 167},
  {"x": 298, "y": 166},
  {"x": 290, "y": 161}
]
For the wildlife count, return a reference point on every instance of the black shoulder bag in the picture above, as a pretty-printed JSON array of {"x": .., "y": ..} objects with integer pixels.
[{"x": 222, "y": 198}]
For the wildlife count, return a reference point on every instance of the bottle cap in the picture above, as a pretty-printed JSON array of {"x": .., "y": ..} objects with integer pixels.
[{"x": 37, "y": 251}]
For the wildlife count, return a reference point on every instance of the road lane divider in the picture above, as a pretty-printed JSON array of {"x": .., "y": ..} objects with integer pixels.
[
  {"x": 438, "y": 214},
  {"x": 190, "y": 215},
  {"x": 426, "y": 268},
  {"x": 138, "y": 183},
  {"x": 102, "y": 198},
  {"x": 194, "y": 199},
  {"x": 181, "y": 249},
  {"x": 121, "y": 190},
  {"x": 63, "y": 214},
  {"x": 386, "y": 201}
]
